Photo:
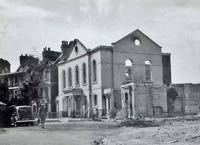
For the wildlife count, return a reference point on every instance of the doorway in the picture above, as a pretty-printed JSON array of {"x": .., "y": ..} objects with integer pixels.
[{"x": 78, "y": 106}]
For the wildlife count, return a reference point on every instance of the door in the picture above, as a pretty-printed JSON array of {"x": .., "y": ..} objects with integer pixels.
[
  {"x": 126, "y": 105},
  {"x": 78, "y": 106}
]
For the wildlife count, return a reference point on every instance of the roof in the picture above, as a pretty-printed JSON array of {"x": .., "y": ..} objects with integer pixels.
[
  {"x": 1, "y": 103},
  {"x": 66, "y": 55},
  {"x": 13, "y": 73},
  {"x": 137, "y": 31}
]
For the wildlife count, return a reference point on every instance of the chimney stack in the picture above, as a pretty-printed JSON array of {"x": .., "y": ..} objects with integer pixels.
[{"x": 64, "y": 46}]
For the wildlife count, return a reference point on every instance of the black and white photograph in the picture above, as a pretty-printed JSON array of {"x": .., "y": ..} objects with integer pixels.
[{"x": 99, "y": 72}]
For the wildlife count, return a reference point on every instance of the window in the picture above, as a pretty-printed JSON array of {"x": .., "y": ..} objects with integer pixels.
[
  {"x": 94, "y": 66},
  {"x": 9, "y": 83},
  {"x": 46, "y": 75},
  {"x": 15, "y": 93},
  {"x": 128, "y": 69},
  {"x": 148, "y": 70},
  {"x": 69, "y": 77},
  {"x": 137, "y": 41},
  {"x": 84, "y": 74},
  {"x": 95, "y": 100},
  {"x": 64, "y": 78},
  {"x": 16, "y": 80},
  {"x": 77, "y": 75},
  {"x": 76, "y": 49},
  {"x": 69, "y": 102}
]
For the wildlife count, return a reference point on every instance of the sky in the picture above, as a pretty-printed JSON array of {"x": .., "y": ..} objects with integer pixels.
[{"x": 27, "y": 26}]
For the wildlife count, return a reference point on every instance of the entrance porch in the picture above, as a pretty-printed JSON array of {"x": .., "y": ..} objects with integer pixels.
[{"x": 75, "y": 103}]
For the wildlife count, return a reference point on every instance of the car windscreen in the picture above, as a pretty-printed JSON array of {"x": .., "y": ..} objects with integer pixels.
[{"x": 25, "y": 113}]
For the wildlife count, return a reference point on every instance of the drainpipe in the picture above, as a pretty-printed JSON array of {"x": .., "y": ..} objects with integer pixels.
[
  {"x": 90, "y": 85},
  {"x": 112, "y": 81}
]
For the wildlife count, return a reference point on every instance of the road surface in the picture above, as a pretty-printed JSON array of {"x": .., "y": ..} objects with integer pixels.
[{"x": 70, "y": 133}]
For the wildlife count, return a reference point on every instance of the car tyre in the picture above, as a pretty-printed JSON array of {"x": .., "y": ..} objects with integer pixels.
[{"x": 14, "y": 123}]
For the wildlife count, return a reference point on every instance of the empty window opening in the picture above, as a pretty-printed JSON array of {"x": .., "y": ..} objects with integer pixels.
[
  {"x": 137, "y": 41},
  {"x": 148, "y": 70},
  {"x": 128, "y": 69}
]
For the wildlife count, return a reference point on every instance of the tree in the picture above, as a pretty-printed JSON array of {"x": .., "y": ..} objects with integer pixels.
[
  {"x": 4, "y": 92},
  {"x": 29, "y": 89}
]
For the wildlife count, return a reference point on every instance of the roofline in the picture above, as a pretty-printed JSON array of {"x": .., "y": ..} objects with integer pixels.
[
  {"x": 163, "y": 53},
  {"x": 81, "y": 44},
  {"x": 12, "y": 73},
  {"x": 133, "y": 32},
  {"x": 101, "y": 47}
]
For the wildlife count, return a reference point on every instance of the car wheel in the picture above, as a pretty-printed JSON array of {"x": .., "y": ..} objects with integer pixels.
[{"x": 14, "y": 123}]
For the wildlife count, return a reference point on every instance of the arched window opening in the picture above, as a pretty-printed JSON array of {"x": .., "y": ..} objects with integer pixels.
[
  {"x": 94, "y": 66},
  {"x": 84, "y": 74},
  {"x": 148, "y": 70},
  {"x": 128, "y": 69},
  {"x": 70, "y": 77},
  {"x": 77, "y": 75}
]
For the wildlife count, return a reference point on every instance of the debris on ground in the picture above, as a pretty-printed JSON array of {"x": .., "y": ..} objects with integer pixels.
[
  {"x": 139, "y": 123},
  {"x": 177, "y": 131}
]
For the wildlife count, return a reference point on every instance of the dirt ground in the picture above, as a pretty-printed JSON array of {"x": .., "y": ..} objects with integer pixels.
[
  {"x": 176, "y": 133},
  {"x": 69, "y": 133},
  {"x": 103, "y": 133}
]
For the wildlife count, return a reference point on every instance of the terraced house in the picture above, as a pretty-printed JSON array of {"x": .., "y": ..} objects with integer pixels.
[{"x": 127, "y": 75}]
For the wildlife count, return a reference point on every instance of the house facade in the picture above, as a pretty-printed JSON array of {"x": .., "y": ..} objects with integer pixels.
[
  {"x": 16, "y": 79},
  {"x": 94, "y": 78},
  {"x": 48, "y": 88}
]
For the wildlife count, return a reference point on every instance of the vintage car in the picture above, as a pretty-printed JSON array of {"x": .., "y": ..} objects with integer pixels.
[{"x": 15, "y": 115}]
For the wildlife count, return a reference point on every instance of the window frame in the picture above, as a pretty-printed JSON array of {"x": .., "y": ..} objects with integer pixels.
[
  {"x": 84, "y": 74},
  {"x": 77, "y": 77},
  {"x": 94, "y": 71},
  {"x": 95, "y": 100},
  {"x": 69, "y": 77},
  {"x": 64, "y": 79},
  {"x": 148, "y": 71}
]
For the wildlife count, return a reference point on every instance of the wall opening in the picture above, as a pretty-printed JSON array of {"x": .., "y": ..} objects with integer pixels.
[{"x": 129, "y": 70}]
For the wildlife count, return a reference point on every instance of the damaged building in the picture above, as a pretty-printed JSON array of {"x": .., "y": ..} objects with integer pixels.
[{"x": 131, "y": 75}]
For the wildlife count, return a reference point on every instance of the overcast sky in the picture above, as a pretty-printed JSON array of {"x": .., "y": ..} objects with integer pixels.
[{"x": 26, "y": 26}]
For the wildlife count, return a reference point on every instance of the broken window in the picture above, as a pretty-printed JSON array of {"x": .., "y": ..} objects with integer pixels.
[
  {"x": 148, "y": 70},
  {"x": 128, "y": 69}
]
